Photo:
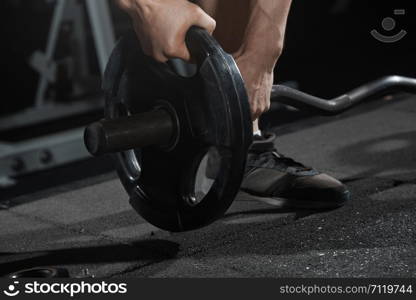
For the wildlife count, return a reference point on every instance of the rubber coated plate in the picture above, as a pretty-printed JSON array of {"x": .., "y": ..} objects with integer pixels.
[{"x": 214, "y": 128}]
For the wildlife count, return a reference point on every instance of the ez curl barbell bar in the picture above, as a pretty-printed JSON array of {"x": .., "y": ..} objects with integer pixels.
[{"x": 384, "y": 86}]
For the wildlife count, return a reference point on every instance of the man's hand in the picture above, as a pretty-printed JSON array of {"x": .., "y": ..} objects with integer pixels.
[
  {"x": 257, "y": 69},
  {"x": 255, "y": 34},
  {"x": 161, "y": 25}
]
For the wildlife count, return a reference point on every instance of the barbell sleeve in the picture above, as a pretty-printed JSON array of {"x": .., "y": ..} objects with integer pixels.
[{"x": 114, "y": 135}]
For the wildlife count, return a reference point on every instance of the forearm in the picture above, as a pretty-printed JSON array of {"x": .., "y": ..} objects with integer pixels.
[{"x": 265, "y": 31}]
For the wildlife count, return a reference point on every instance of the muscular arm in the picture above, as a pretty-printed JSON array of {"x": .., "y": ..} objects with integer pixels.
[
  {"x": 261, "y": 48},
  {"x": 254, "y": 31},
  {"x": 265, "y": 30}
]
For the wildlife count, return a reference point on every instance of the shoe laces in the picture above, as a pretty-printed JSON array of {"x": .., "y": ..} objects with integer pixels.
[{"x": 264, "y": 149}]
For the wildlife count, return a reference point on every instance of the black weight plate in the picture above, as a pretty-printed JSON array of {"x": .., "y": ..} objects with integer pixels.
[{"x": 213, "y": 117}]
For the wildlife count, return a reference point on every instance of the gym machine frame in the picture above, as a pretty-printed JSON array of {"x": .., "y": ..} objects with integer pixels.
[{"x": 64, "y": 147}]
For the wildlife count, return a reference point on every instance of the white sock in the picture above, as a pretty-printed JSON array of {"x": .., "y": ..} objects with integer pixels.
[{"x": 257, "y": 133}]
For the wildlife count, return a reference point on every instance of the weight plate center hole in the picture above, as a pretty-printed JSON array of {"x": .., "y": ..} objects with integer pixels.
[{"x": 205, "y": 176}]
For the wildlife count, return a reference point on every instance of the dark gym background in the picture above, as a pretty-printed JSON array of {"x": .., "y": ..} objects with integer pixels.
[
  {"x": 328, "y": 46},
  {"x": 328, "y": 51}
]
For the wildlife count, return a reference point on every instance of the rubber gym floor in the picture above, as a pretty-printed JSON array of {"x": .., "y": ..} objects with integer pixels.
[{"x": 88, "y": 227}]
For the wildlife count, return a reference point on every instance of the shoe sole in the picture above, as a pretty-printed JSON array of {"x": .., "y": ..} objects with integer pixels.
[{"x": 299, "y": 204}]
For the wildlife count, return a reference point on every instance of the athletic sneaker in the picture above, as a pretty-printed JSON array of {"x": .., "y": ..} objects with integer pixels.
[{"x": 270, "y": 174}]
